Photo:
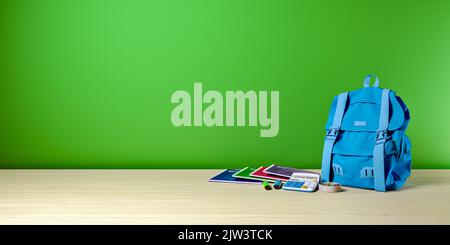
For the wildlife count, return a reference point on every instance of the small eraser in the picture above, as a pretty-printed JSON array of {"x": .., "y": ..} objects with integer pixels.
[
  {"x": 277, "y": 184},
  {"x": 266, "y": 185}
]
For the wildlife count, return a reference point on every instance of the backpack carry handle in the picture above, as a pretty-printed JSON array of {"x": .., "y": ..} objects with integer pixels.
[{"x": 367, "y": 81}]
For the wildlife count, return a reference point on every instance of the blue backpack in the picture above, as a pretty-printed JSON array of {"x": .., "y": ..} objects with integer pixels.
[{"x": 365, "y": 144}]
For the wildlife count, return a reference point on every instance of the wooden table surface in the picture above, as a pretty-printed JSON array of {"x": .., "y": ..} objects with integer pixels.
[{"x": 186, "y": 197}]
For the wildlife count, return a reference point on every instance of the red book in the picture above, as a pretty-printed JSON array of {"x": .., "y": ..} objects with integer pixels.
[{"x": 260, "y": 174}]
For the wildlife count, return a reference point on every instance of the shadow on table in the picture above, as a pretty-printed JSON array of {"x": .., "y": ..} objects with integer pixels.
[{"x": 417, "y": 183}]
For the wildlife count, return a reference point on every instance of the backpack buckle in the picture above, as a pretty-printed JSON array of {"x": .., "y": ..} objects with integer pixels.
[
  {"x": 381, "y": 136},
  {"x": 332, "y": 133}
]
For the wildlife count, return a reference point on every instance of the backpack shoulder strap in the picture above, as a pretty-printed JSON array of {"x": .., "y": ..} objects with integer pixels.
[
  {"x": 331, "y": 136},
  {"x": 381, "y": 135}
]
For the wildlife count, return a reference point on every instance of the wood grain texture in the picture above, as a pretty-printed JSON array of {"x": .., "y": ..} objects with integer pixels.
[{"x": 185, "y": 197}]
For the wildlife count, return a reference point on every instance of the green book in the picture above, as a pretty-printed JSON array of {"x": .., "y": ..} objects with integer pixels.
[{"x": 245, "y": 174}]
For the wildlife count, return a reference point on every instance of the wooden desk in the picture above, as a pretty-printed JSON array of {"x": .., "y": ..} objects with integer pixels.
[{"x": 185, "y": 197}]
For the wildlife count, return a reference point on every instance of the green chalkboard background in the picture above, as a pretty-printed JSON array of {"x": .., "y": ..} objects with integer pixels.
[{"x": 87, "y": 84}]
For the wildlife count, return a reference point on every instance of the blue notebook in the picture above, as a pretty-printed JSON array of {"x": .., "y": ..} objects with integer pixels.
[{"x": 226, "y": 176}]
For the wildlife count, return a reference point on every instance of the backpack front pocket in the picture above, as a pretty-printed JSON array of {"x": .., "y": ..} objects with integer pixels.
[{"x": 354, "y": 171}]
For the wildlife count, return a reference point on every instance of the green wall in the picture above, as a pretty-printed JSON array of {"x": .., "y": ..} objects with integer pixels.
[{"x": 88, "y": 83}]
